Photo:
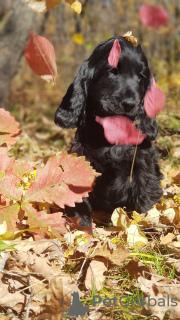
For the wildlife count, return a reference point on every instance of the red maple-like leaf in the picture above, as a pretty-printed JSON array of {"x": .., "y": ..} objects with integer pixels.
[
  {"x": 54, "y": 222},
  {"x": 40, "y": 55},
  {"x": 9, "y": 128},
  {"x": 153, "y": 16},
  {"x": 114, "y": 54},
  {"x": 10, "y": 215},
  {"x": 64, "y": 180},
  {"x": 154, "y": 100},
  {"x": 6, "y": 164},
  {"x": 21, "y": 168},
  {"x": 120, "y": 130}
]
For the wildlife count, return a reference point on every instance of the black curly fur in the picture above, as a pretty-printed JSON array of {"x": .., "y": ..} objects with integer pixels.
[{"x": 100, "y": 89}]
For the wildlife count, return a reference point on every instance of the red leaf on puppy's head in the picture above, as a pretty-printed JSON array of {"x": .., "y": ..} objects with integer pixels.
[
  {"x": 154, "y": 100},
  {"x": 114, "y": 54},
  {"x": 120, "y": 130}
]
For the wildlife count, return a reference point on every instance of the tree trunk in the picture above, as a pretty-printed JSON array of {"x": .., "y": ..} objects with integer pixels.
[{"x": 13, "y": 41}]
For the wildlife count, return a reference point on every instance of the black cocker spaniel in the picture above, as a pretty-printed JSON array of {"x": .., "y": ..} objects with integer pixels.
[{"x": 104, "y": 90}]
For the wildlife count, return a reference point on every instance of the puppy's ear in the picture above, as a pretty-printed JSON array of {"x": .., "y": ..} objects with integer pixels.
[{"x": 68, "y": 115}]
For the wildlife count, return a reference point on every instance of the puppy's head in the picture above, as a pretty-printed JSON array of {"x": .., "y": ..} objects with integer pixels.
[
  {"x": 118, "y": 90},
  {"x": 104, "y": 90}
]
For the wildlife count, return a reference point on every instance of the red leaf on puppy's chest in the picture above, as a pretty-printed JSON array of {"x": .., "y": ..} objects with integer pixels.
[
  {"x": 120, "y": 130},
  {"x": 114, "y": 54}
]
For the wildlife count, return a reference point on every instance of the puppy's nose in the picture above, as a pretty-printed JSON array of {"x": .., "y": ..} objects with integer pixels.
[{"x": 128, "y": 105}]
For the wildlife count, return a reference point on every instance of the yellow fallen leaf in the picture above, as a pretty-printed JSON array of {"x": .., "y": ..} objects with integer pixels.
[
  {"x": 69, "y": 252},
  {"x": 136, "y": 216},
  {"x": 78, "y": 38},
  {"x": 135, "y": 237},
  {"x": 77, "y": 7},
  {"x": 119, "y": 218}
]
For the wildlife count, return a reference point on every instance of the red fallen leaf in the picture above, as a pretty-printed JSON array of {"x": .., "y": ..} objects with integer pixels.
[
  {"x": 64, "y": 180},
  {"x": 153, "y": 16},
  {"x": 40, "y": 55},
  {"x": 154, "y": 100},
  {"x": 8, "y": 188},
  {"x": 114, "y": 54},
  {"x": 120, "y": 130},
  {"x": 20, "y": 169},
  {"x": 9, "y": 128},
  {"x": 6, "y": 164},
  {"x": 10, "y": 215}
]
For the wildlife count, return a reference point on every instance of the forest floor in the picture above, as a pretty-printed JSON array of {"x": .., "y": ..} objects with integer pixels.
[{"x": 137, "y": 258}]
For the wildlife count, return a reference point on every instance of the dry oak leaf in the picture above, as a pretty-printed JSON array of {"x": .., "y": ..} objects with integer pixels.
[
  {"x": 167, "y": 239},
  {"x": 136, "y": 268},
  {"x": 116, "y": 255},
  {"x": 164, "y": 295},
  {"x": 41, "y": 57},
  {"x": 95, "y": 275},
  {"x": 9, "y": 128}
]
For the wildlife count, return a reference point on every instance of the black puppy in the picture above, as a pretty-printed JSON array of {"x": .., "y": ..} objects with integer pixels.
[{"x": 101, "y": 89}]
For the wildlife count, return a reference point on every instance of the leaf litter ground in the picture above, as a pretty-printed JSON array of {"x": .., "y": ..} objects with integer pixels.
[{"x": 133, "y": 257}]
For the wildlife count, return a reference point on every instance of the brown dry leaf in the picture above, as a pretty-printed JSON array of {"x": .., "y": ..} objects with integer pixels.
[
  {"x": 136, "y": 268},
  {"x": 86, "y": 246},
  {"x": 116, "y": 255},
  {"x": 47, "y": 281},
  {"x": 160, "y": 292},
  {"x": 95, "y": 275},
  {"x": 167, "y": 239}
]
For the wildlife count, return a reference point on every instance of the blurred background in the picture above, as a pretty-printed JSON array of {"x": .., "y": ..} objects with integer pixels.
[{"x": 33, "y": 102}]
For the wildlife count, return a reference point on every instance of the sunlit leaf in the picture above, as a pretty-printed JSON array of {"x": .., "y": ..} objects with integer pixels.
[
  {"x": 9, "y": 128},
  {"x": 135, "y": 237},
  {"x": 40, "y": 55}
]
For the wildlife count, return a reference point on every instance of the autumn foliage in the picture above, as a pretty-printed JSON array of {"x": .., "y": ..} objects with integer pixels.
[{"x": 32, "y": 192}]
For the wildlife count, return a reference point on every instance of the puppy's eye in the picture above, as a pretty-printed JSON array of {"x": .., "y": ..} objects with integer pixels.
[{"x": 114, "y": 71}]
